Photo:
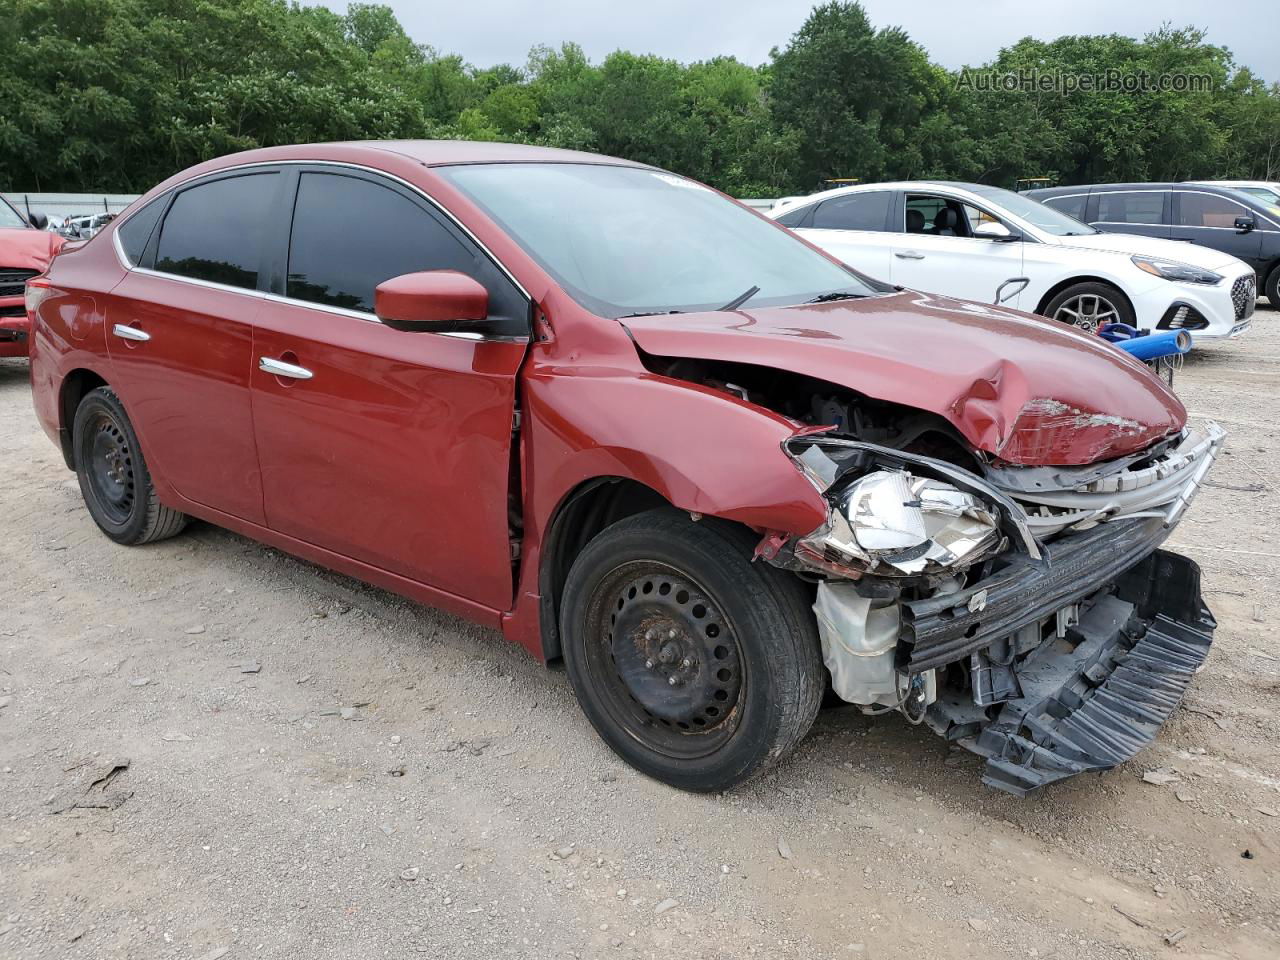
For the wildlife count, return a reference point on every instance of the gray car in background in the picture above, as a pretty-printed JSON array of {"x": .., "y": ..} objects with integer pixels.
[{"x": 1231, "y": 220}]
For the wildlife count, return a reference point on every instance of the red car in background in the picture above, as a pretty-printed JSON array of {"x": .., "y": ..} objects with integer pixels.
[
  {"x": 25, "y": 251},
  {"x": 638, "y": 427}
]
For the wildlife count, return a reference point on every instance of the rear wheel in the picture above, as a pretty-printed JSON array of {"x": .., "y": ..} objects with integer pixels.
[
  {"x": 1272, "y": 287},
  {"x": 114, "y": 479},
  {"x": 697, "y": 666},
  {"x": 1090, "y": 305}
]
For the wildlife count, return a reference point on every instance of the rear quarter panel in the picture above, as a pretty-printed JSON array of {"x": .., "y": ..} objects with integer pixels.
[{"x": 68, "y": 328}]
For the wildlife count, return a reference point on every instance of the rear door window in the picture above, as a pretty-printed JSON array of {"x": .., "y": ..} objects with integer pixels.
[
  {"x": 1072, "y": 206},
  {"x": 1145, "y": 206},
  {"x": 796, "y": 218},
  {"x": 1209, "y": 210},
  {"x": 855, "y": 211},
  {"x": 136, "y": 231},
  {"x": 215, "y": 231},
  {"x": 350, "y": 234}
]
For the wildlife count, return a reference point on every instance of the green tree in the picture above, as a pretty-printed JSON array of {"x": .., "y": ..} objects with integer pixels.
[
  {"x": 855, "y": 95},
  {"x": 118, "y": 94}
]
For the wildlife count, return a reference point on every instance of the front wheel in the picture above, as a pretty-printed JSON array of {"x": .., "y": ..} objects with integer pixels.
[
  {"x": 1089, "y": 306},
  {"x": 113, "y": 475},
  {"x": 697, "y": 666}
]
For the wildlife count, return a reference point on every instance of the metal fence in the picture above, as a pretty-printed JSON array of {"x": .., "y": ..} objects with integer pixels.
[{"x": 63, "y": 205}]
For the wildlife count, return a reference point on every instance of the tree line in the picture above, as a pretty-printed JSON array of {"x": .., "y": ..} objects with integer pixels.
[{"x": 115, "y": 95}]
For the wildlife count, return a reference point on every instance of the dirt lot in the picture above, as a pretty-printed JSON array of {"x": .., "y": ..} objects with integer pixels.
[{"x": 259, "y": 818}]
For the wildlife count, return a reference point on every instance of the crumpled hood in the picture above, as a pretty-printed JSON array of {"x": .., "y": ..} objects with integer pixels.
[
  {"x": 1021, "y": 388},
  {"x": 1130, "y": 243},
  {"x": 28, "y": 249}
]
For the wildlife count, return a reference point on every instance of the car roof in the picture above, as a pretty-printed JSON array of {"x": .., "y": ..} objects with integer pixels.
[
  {"x": 1269, "y": 184},
  {"x": 398, "y": 157},
  {"x": 1230, "y": 192},
  {"x": 1128, "y": 187},
  {"x": 430, "y": 153},
  {"x": 793, "y": 202}
]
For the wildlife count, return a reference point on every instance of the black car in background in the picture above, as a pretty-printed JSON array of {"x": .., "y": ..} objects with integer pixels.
[{"x": 1232, "y": 221}]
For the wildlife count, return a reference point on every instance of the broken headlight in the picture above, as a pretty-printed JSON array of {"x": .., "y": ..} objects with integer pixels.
[{"x": 893, "y": 523}]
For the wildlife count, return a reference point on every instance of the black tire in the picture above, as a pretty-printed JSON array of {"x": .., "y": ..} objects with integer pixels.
[
  {"x": 1114, "y": 307},
  {"x": 1272, "y": 287},
  {"x": 114, "y": 479},
  {"x": 746, "y": 659}
]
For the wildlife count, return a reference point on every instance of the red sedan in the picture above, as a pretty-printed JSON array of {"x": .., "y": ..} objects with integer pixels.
[
  {"x": 634, "y": 425},
  {"x": 25, "y": 251}
]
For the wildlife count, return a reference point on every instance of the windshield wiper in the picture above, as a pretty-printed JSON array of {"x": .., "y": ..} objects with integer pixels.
[
  {"x": 838, "y": 295},
  {"x": 648, "y": 313},
  {"x": 739, "y": 300}
]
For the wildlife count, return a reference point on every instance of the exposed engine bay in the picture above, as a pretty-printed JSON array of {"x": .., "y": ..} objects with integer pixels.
[{"x": 1024, "y": 612}]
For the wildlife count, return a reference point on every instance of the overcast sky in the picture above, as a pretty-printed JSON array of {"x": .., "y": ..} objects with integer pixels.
[{"x": 954, "y": 32}]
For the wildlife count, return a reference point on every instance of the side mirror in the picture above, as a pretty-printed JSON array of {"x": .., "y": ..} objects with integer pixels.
[
  {"x": 39, "y": 220},
  {"x": 995, "y": 230},
  {"x": 1245, "y": 224},
  {"x": 434, "y": 301}
]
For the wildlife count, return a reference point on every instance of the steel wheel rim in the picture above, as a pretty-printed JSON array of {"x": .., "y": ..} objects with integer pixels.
[
  {"x": 638, "y": 639},
  {"x": 110, "y": 469},
  {"x": 1088, "y": 311}
]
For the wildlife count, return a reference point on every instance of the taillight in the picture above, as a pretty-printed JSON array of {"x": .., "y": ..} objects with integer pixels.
[{"x": 37, "y": 289}]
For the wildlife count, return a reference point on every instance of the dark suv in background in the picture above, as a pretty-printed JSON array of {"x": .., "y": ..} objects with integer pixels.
[{"x": 1228, "y": 220}]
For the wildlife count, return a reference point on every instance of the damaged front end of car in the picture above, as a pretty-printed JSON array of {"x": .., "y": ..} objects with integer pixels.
[{"x": 1026, "y": 613}]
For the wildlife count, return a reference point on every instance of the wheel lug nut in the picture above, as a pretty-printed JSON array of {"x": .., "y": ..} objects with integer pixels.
[
  {"x": 686, "y": 662},
  {"x": 673, "y": 680},
  {"x": 648, "y": 664},
  {"x": 671, "y": 634}
]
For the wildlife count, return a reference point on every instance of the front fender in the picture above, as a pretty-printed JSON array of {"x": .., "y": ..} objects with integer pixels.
[{"x": 704, "y": 451}]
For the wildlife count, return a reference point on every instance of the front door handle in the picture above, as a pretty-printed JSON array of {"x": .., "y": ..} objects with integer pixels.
[
  {"x": 130, "y": 333},
  {"x": 908, "y": 255},
  {"x": 281, "y": 369}
]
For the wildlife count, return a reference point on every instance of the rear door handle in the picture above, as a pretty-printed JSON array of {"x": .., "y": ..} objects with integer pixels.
[
  {"x": 130, "y": 333},
  {"x": 281, "y": 369},
  {"x": 908, "y": 255}
]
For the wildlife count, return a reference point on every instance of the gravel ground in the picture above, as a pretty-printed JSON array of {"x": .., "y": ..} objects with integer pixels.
[{"x": 395, "y": 781}]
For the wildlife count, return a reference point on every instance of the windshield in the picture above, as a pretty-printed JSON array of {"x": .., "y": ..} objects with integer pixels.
[
  {"x": 626, "y": 240},
  {"x": 8, "y": 216},
  {"x": 1035, "y": 213}
]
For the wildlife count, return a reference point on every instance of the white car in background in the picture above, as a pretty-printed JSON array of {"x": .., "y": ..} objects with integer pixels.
[{"x": 964, "y": 240}]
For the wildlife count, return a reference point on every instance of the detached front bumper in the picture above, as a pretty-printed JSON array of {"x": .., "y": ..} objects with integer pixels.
[
  {"x": 15, "y": 327},
  {"x": 1093, "y": 697},
  {"x": 1061, "y": 654}
]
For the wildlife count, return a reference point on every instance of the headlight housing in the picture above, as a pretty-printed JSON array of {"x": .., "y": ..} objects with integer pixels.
[
  {"x": 892, "y": 523},
  {"x": 1172, "y": 270}
]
